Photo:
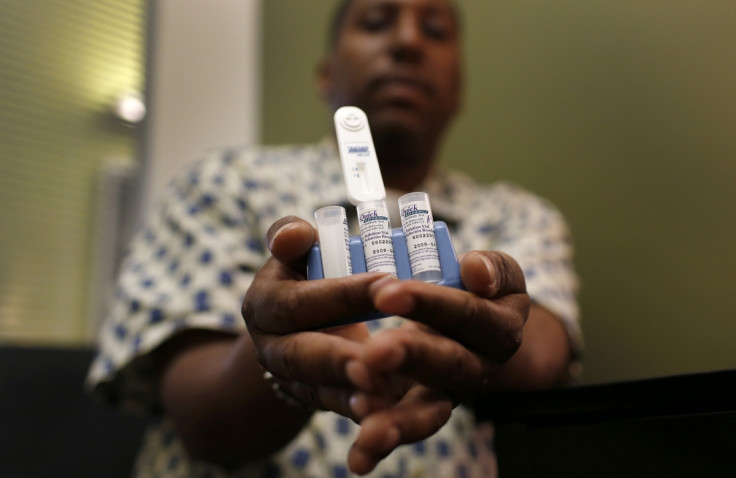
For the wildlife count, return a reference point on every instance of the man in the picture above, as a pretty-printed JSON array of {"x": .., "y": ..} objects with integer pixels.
[{"x": 173, "y": 341}]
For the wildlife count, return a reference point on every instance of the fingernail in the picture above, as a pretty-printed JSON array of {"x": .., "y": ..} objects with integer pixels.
[
  {"x": 358, "y": 374},
  {"x": 491, "y": 273},
  {"x": 359, "y": 404},
  {"x": 362, "y": 404},
  {"x": 381, "y": 283},
  {"x": 272, "y": 239}
]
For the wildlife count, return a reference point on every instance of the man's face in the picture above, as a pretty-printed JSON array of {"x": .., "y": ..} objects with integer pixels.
[{"x": 399, "y": 61}]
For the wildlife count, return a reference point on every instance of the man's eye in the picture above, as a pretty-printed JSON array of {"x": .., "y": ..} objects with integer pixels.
[
  {"x": 437, "y": 28},
  {"x": 375, "y": 20}
]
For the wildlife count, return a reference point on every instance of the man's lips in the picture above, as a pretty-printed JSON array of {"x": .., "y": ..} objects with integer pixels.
[{"x": 402, "y": 85}]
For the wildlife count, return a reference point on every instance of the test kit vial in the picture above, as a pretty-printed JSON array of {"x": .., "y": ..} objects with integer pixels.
[
  {"x": 375, "y": 235},
  {"x": 418, "y": 226},
  {"x": 334, "y": 240}
]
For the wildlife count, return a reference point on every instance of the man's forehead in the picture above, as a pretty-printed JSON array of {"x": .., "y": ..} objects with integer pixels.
[
  {"x": 348, "y": 8},
  {"x": 442, "y": 5}
]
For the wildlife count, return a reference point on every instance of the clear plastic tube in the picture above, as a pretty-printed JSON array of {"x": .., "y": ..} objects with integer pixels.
[
  {"x": 375, "y": 234},
  {"x": 418, "y": 226},
  {"x": 334, "y": 241}
]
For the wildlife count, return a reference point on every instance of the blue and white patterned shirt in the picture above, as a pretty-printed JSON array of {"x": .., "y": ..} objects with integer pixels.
[{"x": 190, "y": 266}]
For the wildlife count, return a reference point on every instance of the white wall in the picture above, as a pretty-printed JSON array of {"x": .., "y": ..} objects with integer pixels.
[{"x": 203, "y": 84}]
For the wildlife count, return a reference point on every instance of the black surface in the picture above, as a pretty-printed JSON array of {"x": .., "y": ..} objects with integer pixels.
[
  {"x": 693, "y": 393},
  {"x": 50, "y": 428},
  {"x": 682, "y": 426}
]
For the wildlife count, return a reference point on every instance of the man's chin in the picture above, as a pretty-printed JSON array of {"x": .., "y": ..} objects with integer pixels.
[{"x": 398, "y": 118}]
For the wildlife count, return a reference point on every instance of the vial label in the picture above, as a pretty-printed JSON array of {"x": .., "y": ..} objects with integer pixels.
[
  {"x": 416, "y": 220},
  {"x": 346, "y": 233},
  {"x": 375, "y": 234}
]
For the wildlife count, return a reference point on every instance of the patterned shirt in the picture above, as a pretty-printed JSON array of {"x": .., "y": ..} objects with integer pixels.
[{"x": 190, "y": 266}]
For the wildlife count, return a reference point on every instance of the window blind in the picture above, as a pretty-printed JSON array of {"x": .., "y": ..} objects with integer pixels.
[{"x": 62, "y": 64}]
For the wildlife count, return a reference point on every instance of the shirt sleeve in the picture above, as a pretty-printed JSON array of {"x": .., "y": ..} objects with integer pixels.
[
  {"x": 188, "y": 267},
  {"x": 538, "y": 237}
]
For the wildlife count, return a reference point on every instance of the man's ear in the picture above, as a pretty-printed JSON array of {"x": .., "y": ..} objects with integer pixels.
[{"x": 324, "y": 79}]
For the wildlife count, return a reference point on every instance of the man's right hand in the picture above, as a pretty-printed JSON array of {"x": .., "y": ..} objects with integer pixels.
[{"x": 283, "y": 312}]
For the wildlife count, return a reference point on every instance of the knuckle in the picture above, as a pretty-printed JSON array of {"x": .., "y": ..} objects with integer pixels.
[
  {"x": 247, "y": 308},
  {"x": 255, "y": 304},
  {"x": 500, "y": 263},
  {"x": 345, "y": 299},
  {"x": 245, "y": 312},
  {"x": 265, "y": 355},
  {"x": 439, "y": 415},
  {"x": 261, "y": 358},
  {"x": 475, "y": 310},
  {"x": 458, "y": 360},
  {"x": 465, "y": 324},
  {"x": 511, "y": 341},
  {"x": 288, "y": 360},
  {"x": 313, "y": 396},
  {"x": 282, "y": 309},
  {"x": 513, "y": 274}
]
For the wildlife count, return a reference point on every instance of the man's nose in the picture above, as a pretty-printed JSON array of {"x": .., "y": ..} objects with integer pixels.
[{"x": 407, "y": 41}]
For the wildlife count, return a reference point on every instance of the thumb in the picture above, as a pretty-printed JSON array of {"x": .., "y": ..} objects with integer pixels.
[
  {"x": 491, "y": 274},
  {"x": 289, "y": 240}
]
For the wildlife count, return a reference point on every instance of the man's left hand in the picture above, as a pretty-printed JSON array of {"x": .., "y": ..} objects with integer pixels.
[{"x": 444, "y": 355}]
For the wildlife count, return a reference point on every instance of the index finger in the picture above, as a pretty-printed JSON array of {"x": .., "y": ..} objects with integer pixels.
[
  {"x": 489, "y": 319},
  {"x": 279, "y": 305},
  {"x": 309, "y": 357}
]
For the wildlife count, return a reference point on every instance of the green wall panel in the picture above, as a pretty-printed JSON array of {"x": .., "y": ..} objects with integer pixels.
[{"x": 622, "y": 113}]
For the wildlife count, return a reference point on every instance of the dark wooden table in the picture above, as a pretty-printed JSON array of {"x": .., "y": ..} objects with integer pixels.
[{"x": 680, "y": 426}]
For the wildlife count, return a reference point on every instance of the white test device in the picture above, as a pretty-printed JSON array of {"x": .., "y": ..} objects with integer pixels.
[
  {"x": 365, "y": 188},
  {"x": 359, "y": 161}
]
